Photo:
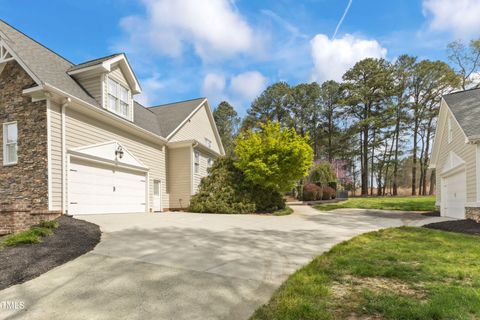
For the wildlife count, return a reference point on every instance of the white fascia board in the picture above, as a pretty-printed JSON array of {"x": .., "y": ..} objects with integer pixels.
[
  {"x": 214, "y": 126},
  {"x": 123, "y": 62},
  {"x": 98, "y": 68}
]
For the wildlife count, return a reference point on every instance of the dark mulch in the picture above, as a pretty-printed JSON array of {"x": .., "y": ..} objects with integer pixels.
[
  {"x": 431, "y": 213},
  {"x": 463, "y": 226},
  {"x": 25, "y": 262}
]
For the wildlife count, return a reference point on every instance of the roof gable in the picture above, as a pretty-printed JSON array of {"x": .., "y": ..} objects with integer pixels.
[
  {"x": 44, "y": 65},
  {"x": 465, "y": 106},
  {"x": 171, "y": 116}
]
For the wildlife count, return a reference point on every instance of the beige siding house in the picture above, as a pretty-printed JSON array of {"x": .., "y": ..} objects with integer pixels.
[
  {"x": 105, "y": 152},
  {"x": 455, "y": 155}
]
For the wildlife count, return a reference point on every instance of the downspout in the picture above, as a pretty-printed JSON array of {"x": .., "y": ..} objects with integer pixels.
[{"x": 64, "y": 157}]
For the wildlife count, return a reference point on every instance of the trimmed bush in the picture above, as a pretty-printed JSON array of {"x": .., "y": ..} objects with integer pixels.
[
  {"x": 312, "y": 192},
  {"x": 328, "y": 193}
]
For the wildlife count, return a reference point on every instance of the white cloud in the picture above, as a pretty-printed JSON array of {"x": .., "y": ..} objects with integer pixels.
[
  {"x": 248, "y": 85},
  {"x": 213, "y": 28},
  {"x": 332, "y": 58},
  {"x": 151, "y": 88},
  {"x": 460, "y": 17},
  {"x": 213, "y": 86}
]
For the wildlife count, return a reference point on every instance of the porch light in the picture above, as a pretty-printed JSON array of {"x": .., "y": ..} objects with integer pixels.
[{"x": 119, "y": 152}]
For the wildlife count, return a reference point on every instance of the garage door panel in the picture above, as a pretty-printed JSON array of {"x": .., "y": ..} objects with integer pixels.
[{"x": 95, "y": 188}]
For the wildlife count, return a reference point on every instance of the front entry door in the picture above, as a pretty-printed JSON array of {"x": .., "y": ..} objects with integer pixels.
[{"x": 157, "y": 199}]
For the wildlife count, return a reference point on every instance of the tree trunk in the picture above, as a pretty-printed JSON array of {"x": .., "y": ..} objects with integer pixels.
[
  {"x": 395, "y": 161},
  {"x": 432, "y": 182},
  {"x": 364, "y": 160},
  {"x": 426, "y": 158},
  {"x": 372, "y": 162},
  {"x": 414, "y": 157}
]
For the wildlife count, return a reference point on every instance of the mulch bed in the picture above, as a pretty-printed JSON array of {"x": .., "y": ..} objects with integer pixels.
[
  {"x": 462, "y": 226},
  {"x": 24, "y": 262}
]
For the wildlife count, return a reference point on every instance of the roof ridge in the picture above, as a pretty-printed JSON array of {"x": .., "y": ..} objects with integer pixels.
[
  {"x": 100, "y": 58},
  {"x": 37, "y": 42},
  {"x": 166, "y": 104},
  {"x": 462, "y": 91}
]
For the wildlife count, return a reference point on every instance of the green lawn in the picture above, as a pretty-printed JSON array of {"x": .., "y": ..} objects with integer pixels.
[
  {"x": 402, "y": 273},
  {"x": 283, "y": 212},
  {"x": 32, "y": 235},
  {"x": 424, "y": 203}
]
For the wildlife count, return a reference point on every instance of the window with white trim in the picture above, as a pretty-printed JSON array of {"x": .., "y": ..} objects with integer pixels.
[
  {"x": 10, "y": 143},
  {"x": 450, "y": 130},
  {"x": 196, "y": 162},
  {"x": 209, "y": 162},
  {"x": 208, "y": 143},
  {"x": 118, "y": 101}
]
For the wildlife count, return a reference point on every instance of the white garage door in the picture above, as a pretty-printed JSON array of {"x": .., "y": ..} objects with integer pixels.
[
  {"x": 454, "y": 196},
  {"x": 95, "y": 188}
]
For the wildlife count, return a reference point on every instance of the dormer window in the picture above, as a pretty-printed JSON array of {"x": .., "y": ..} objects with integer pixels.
[{"x": 118, "y": 101}]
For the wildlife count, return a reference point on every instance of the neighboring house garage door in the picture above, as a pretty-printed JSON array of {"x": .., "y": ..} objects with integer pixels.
[
  {"x": 454, "y": 195},
  {"x": 96, "y": 188}
]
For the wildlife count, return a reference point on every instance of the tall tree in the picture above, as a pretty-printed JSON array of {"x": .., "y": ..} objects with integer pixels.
[
  {"x": 273, "y": 104},
  {"x": 331, "y": 95},
  {"x": 402, "y": 74},
  {"x": 366, "y": 86},
  {"x": 466, "y": 60},
  {"x": 227, "y": 121},
  {"x": 430, "y": 80}
]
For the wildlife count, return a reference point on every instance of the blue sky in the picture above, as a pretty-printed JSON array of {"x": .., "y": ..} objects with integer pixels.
[{"x": 233, "y": 49}]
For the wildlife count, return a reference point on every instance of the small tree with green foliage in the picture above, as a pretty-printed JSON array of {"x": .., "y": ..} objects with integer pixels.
[
  {"x": 273, "y": 157},
  {"x": 322, "y": 174}
]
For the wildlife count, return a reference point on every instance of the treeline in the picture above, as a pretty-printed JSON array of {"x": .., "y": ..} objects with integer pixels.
[{"x": 379, "y": 115}]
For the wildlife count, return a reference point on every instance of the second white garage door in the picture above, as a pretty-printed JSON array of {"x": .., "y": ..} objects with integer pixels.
[
  {"x": 454, "y": 195},
  {"x": 95, "y": 188}
]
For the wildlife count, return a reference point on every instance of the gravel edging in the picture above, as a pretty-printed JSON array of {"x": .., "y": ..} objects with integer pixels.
[
  {"x": 462, "y": 226},
  {"x": 70, "y": 240}
]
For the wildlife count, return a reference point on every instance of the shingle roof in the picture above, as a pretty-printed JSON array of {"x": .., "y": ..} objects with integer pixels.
[
  {"x": 51, "y": 68},
  {"x": 171, "y": 115},
  {"x": 465, "y": 106},
  {"x": 146, "y": 119},
  {"x": 92, "y": 62},
  {"x": 45, "y": 64}
]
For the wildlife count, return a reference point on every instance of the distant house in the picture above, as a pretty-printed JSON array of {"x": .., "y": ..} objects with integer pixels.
[
  {"x": 74, "y": 140},
  {"x": 456, "y": 155}
]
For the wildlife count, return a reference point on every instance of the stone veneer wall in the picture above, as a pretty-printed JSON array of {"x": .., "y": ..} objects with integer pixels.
[
  {"x": 472, "y": 213},
  {"x": 27, "y": 181}
]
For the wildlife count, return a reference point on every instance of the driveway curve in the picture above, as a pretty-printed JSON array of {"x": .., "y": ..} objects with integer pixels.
[{"x": 189, "y": 266}]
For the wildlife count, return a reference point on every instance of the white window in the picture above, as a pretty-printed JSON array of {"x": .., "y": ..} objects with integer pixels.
[
  {"x": 118, "y": 99},
  {"x": 208, "y": 143},
  {"x": 450, "y": 130},
  {"x": 10, "y": 138},
  {"x": 209, "y": 162},
  {"x": 196, "y": 163}
]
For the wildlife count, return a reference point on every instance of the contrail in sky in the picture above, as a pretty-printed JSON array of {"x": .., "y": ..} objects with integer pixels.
[{"x": 343, "y": 17}]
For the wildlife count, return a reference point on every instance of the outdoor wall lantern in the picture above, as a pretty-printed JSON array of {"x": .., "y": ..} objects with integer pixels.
[{"x": 119, "y": 152}]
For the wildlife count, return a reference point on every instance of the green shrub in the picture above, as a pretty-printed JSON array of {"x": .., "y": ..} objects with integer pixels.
[
  {"x": 322, "y": 175},
  {"x": 312, "y": 192},
  {"x": 53, "y": 224},
  {"x": 225, "y": 190}
]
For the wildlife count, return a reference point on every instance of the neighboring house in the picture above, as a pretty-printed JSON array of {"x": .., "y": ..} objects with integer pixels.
[
  {"x": 456, "y": 155},
  {"x": 75, "y": 141}
]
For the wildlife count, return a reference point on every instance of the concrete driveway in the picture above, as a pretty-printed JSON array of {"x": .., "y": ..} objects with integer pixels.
[{"x": 189, "y": 266}]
